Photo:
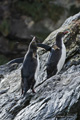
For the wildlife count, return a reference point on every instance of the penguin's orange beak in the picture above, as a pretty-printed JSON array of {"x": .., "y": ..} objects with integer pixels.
[{"x": 65, "y": 32}]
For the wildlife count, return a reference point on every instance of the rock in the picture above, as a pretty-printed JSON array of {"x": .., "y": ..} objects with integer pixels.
[
  {"x": 18, "y": 22},
  {"x": 56, "y": 98},
  {"x": 72, "y": 46}
]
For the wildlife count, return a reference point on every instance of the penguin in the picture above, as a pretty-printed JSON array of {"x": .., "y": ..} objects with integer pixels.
[
  {"x": 29, "y": 68},
  {"x": 57, "y": 55}
]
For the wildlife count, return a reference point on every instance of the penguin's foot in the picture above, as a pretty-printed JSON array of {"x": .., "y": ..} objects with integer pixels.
[
  {"x": 33, "y": 91},
  {"x": 23, "y": 94}
]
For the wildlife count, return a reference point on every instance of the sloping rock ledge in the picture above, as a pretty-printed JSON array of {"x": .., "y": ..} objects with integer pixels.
[{"x": 57, "y": 98}]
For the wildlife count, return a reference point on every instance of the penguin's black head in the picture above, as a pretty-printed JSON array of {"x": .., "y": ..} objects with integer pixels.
[
  {"x": 33, "y": 45},
  {"x": 59, "y": 38},
  {"x": 61, "y": 34}
]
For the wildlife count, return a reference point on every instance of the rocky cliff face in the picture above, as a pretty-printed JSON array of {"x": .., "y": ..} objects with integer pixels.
[
  {"x": 57, "y": 98},
  {"x": 19, "y": 19}
]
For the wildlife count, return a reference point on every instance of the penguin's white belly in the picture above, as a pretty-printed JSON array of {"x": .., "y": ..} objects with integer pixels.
[
  {"x": 62, "y": 59},
  {"x": 37, "y": 69}
]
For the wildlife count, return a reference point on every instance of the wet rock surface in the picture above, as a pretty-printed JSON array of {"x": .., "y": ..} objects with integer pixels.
[{"x": 57, "y": 98}]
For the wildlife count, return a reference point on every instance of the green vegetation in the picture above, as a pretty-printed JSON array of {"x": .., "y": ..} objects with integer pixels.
[
  {"x": 11, "y": 45},
  {"x": 55, "y": 12},
  {"x": 39, "y": 10},
  {"x": 5, "y": 27},
  {"x": 34, "y": 10},
  {"x": 3, "y": 59},
  {"x": 41, "y": 36}
]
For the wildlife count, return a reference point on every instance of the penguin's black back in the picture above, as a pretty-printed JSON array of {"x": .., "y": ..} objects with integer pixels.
[
  {"x": 54, "y": 57},
  {"x": 29, "y": 66},
  {"x": 27, "y": 73},
  {"x": 53, "y": 60}
]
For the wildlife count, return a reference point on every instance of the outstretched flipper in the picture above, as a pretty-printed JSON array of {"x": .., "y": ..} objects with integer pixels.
[
  {"x": 17, "y": 60},
  {"x": 46, "y": 47}
]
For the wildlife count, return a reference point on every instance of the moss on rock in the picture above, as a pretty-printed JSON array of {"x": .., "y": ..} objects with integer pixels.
[
  {"x": 5, "y": 27},
  {"x": 3, "y": 59},
  {"x": 39, "y": 10}
]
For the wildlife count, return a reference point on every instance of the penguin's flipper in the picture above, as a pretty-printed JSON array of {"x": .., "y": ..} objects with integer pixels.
[
  {"x": 46, "y": 47},
  {"x": 51, "y": 69},
  {"x": 51, "y": 73},
  {"x": 17, "y": 60}
]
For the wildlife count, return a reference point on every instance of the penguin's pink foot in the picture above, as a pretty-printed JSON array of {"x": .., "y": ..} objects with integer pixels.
[{"x": 33, "y": 91}]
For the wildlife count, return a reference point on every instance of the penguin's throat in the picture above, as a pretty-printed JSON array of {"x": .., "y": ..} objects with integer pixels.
[
  {"x": 32, "y": 53},
  {"x": 59, "y": 42}
]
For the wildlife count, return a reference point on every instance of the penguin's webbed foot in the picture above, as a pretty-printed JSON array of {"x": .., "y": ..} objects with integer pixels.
[{"x": 33, "y": 91}]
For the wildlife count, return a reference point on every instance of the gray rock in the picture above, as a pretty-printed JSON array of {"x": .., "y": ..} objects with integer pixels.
[{"x": 57, "y": 98}]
